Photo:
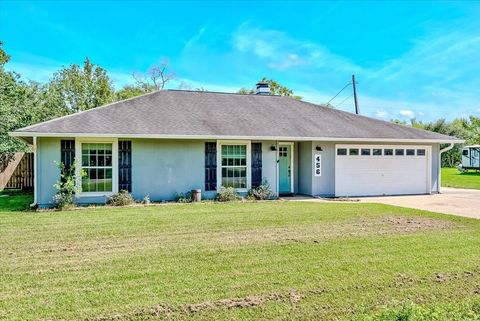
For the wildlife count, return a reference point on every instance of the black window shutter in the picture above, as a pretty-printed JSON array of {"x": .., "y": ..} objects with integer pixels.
[
  {"x": 125, "y": 165},
  {"x": 256, "y": 164},
  {"x": 210, "y": 166},
  {"x": 67, "y": 152}
]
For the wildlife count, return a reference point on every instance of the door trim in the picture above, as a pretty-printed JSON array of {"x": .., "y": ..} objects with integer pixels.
[{"x": 292, "y": 169}]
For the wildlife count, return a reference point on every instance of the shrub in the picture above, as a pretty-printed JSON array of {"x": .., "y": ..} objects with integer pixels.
[
  {"x": 66, "y": 187},
  {"x": 261, "y": 192},
  {"x": 227, "y": 194},
  {"x": 122, "y": 198},
  {"x": 183, "y": 197}
]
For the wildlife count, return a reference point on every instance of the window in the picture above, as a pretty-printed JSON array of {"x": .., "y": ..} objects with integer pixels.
[
  {"x": 341, "y": 151},
  {"x": 97, "y": 165},
  {"x": 465, "y": 152},
  {"x": 399, "y": 152},
  {"x": 388, "y": 152},
  {"x": 234, "y": 166},
  {"x": 353, "y": 152},
  {"x": 377, "y": 152},
  {"x": 410, "y": 152},
  {"x": 283, "y": 151},
  {"x": 365, "y": 151},
  {"x": 420, "y": 152}
]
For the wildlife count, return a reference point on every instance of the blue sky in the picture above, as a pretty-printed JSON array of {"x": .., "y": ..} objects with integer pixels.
[{"x": 411, "y": 59}]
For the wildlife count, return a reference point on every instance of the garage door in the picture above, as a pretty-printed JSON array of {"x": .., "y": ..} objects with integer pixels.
[{"x": 362, "y": 170}]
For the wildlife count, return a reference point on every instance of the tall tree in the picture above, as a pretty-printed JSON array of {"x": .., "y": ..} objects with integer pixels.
[
  {"x": 17, "y": 109},
  {"x": 275, "y": 89},
  {"x": 78, "y": 88}
]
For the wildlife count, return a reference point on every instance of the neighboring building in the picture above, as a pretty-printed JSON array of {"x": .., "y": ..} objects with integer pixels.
[{"x": 173, "y": 141}]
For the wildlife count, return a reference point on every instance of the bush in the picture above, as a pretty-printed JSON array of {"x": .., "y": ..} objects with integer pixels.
[
  {"x": 227, "y": 194},
  {"x": 123, "y": 198},
  {"x": 261, "y": 192},
  {"x": 66, "y": 186},
  {"x": 183, "y": 197}
]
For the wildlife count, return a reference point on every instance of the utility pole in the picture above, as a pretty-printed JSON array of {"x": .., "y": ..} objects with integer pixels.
[{"x": 355, "y": 94}]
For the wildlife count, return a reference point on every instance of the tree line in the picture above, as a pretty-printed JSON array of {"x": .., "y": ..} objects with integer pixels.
[{"x": 77, "y": 88}]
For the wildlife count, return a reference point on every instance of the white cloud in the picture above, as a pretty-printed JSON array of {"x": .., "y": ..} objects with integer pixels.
[
  {"x": 407, "y": 113},
  {"x": 282, "y": 51},
  {"x": 381, "y": 114}
]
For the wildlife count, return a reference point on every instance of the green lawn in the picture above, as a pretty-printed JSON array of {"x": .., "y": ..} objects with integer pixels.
[
  {"x": 275, "y": 260},
  {"x": 451, "y": 177}
]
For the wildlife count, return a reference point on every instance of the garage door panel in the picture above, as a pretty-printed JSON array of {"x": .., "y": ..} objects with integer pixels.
[{"x": 368, "y": 175}]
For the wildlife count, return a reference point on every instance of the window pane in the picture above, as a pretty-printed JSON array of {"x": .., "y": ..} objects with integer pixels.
[
  {"x": 377, "y": 152},
  {"x": 85, "y": 186},
  {"x": 342, "y": 151},
  {"x": 465, "y": 152},
  {"x": 365, "y": 151},
  {"x": 410, "y": 152},
  {"x": 388, "y": 152},
  {"x": 399, "y": 152},
  {"x": 353, "y": 152},
  {"x": 108, "y": 185},
  {"x": 420, "y": 152},
  {"x": 84, "y": 160},
  {"x": 101, "y": 149}
]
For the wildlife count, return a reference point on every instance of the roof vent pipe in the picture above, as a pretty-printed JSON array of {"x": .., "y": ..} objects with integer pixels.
[{"x": 263, "y": 88}]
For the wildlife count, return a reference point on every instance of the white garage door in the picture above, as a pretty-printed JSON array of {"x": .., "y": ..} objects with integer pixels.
[{"x": 362, "y": 170}]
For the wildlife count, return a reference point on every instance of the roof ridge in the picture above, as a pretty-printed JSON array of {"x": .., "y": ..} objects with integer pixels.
[
  {"x": 222, "y": 92},
  {"x": 88, "y": 110}
]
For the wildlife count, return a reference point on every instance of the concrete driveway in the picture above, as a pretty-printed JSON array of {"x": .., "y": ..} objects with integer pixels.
[{"x": 456, "y": 201}]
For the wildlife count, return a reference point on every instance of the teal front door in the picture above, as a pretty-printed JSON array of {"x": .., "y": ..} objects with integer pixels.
[{"x": 285, "y": 170}]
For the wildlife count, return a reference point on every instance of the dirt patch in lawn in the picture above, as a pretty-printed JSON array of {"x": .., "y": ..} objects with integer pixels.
[
  {"x": 322, "y": 232},
  {"x": 409, "y": 224}
]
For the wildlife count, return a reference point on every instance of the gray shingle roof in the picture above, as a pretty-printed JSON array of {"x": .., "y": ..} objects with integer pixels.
[{"x": 209, "y": 114}]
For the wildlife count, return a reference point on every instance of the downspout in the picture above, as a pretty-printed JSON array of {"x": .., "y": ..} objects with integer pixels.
[
  {"x": 277, "y": 168},
  {"x": 35, "y": 172},
  {"x": 439, "y": 174}
]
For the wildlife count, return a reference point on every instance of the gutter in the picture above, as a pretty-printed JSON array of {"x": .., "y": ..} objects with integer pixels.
[
  {"x": 238, "y": 137},
  {"x": 446, "y": 149}
]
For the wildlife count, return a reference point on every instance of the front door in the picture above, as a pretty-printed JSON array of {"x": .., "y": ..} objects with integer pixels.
[{"x": 285, "y": 170}]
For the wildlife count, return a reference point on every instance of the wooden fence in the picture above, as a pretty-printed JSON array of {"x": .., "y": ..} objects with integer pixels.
[{"x": 19, "y": 173}]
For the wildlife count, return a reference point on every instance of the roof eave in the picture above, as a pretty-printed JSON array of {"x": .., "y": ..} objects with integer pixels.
[{"x": 22, "y": 135}]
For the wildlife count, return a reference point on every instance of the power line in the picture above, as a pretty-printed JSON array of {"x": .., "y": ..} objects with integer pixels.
[
  {"x": 339, "y": 93},
  {"x": 344, "y": 101}
]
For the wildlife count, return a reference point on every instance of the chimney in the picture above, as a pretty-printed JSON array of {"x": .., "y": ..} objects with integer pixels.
[{"x": 263, "y": 88}]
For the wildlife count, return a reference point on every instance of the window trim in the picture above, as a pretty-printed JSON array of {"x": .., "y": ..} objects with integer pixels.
[
  {"x": 248, "y": 144},
  {"x": 78, "y": 151}
]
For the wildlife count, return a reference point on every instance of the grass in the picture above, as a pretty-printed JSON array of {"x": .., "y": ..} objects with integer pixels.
[
  {"x": 271, "y": 260},
  {"x": 451, "y": 177}
]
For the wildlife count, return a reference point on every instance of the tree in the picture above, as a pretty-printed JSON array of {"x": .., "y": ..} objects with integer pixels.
[
  {"x": 128, "y": 91},
  {"x": 275, "y": 89},
  {"x": 156, "y": 78},
  {"x": 18, "y": 101},
  {"x": 78, "y": 88}
]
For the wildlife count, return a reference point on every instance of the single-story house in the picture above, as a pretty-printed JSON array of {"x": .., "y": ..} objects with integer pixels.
[{"x": 173, "y": 141}]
